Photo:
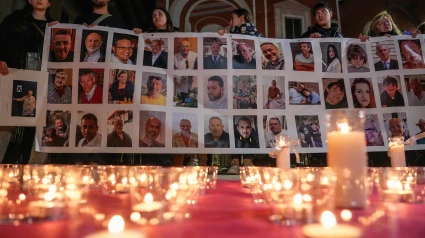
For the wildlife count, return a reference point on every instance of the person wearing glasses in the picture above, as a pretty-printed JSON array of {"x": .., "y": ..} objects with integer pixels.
[
  {"x": 62, "y": 42},
  {"x": 122, "y": 49},
  {"x": 58, "y": 92},
  {"x": 373, "y": 132},
  {"x": 185, "y": 59}
]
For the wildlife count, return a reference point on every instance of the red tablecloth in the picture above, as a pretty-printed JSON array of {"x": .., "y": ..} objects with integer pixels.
[{"x": 227, "y": 211}]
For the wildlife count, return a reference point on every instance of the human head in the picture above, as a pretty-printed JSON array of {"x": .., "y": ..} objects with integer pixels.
[
  {"x": 122, "y": 76},
  {"x": 300, "y": 87},
  {"x": 184, "y": 46},
  {"x": 390, "y": 85},
  {"x": 87, "y": 79},
  {"x": 239, "y": 17},
  {"x": 161, "y": 19},
  {"x": 335, "y": 92},
  {"x": 154, "y": 85},
  {"x": 118, "y": 125},
  {"x": 302, "y": 136},
  {"x": 305, "y": 48},
  {"x": 273, "y": 83},
  {"x": 93, "y": 42},
  {"x": 39, "y": 5},
  {"x": 356, "y": 55},
  {"x": 362, "y": 92},
  {"x": 185, "y": 126},
  {"x": 152, "y": 128},
  {"x": 244, "y": 52},
  {"x": 215, "y": 88},
  {"x": 58, "y": 123},
  {"x": 62, "y": 42},
  {"x": 89, "y": 126},
  {"x": 49, "y": 132},
  {"x": 421, "y": 125},
  {"x": 156, "y": 46},
  {"x": 244, "y": 127},
  {"x": 314, "y": 125},
  {"x": 215, "y": 47},
  {"x": 216, "y": 126},
  {"x": 323, "y": 13},
  {"x": 122, "y": 47},
  {"x": 383, "y": 52},
  {"x": 60, "y": 79},
  {"x": 396, "y": 127},
  {"x": 372, "y": 131},
  {"x": 332, "y": 53},
  {"x": 411, "y": 50},
  {"x": 381, "y": 23},
  {"x": 305, "y": 92},
  {"x": 305, "y": 121},
  {"x": 99, "y": 3},
  {"x": 271, "y": 52},
  {"x": 244, "y": 82},
  {"x": 415, "y": 84},
  {"x": 275, "y": 125}
]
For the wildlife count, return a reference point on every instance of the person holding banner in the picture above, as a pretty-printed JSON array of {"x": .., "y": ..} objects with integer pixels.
[
  {"x": 240, "y": 23},
  {"x": 324, "y": 27},
  {"x": 100, "y": 16}
]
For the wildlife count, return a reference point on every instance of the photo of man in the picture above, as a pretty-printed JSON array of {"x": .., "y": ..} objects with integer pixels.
[
  {"x": 56, "y": 132},
  {"x": 216, "y": 94},
  {"x": 243, "y": 54},
  {"x": 357, "y": 59},
  {"x": 185, "y": 137},
  {"x": 246, "y": 134},
  {"x": 124, "y": 49},
  {"x": 273, "y": 92},
  {"x": 272, "y": 56},
  {"x": 390, "y": 90},
  {"x": 421, "y": 126},
  {"x": 185, "y": 57},
  {"x": 118, "y": 137},
  {"x": 411, "y": 54},
  {"x": 275, "y": 126},
  {"x": 59, "y": 88},
  {"x": 309, "y": 131},
  {"x": 304, "y": 93},
  {"x": 385, "y": 61},
  {"x": 217, "y": 137},
  {"x": 62, "y": 45},
  {"x": 396, "y": 124},
  {"x": 334, "y": 93},
  {"x": 185, "y": 91},
  {"x": 89, "y": 129},
  {"x": 90, "y": 91},
  {"x": 216, "y": 56},
  {"x": 415, "y": 86},
  {"x": 24, "y": 96},
  {"x": 156, "y": 56},
  {"x": 303, "y": 56},
  {"x": 93, "y": 46},
  {"x": 152, "y": 128},
  {"x": 154, "y": 89}
]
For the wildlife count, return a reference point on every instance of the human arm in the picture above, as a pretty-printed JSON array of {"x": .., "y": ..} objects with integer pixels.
[
  {"x": 363, "y": 38},
  {"x": 221, "y": 32},
  {"x": 137, "y": 31}
]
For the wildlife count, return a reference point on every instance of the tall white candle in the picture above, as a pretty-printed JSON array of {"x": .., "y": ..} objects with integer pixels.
[
  {"x": 397, "y": 155},
  {"x": 283, "y": 160}
]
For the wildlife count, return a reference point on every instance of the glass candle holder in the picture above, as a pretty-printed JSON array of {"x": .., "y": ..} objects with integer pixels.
[
  {"x": 12, "y": 196},
  {"x": 115, "y": 179},
  {"x": 400, "y": 185},
  {"x": 396, "y": 151},
  {"x": 347, "y": 156},
  {"x": 211, "y": 177}
]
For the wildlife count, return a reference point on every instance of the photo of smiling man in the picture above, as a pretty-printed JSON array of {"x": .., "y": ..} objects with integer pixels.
[
  {"x": 62, "y": 45},
  {"x": 272, "y": 56},
  {"x": 124, "y": 49},
  {"x": 93, "y": 46}
]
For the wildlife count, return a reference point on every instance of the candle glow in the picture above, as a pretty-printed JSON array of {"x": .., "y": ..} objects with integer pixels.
[
  {"x": 148, "y": 198},
  {"x": 116, "y": 224},
  {"x": 343, "y": 127},
  {"x": 328, "y": 219}
]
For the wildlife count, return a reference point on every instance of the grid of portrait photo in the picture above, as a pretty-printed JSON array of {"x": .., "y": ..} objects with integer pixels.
[{"x": 202, "y": 92}]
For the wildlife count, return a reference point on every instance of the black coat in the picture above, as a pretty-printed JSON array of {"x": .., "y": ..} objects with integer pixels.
[
  {"x": 325, "y": 33},
  {"x": 209, "y": 63},
  {"x": 161, "y": 62},
  {"x": 380, "y": 66}
]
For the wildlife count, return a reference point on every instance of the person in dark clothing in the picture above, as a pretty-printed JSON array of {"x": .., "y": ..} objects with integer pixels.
[
  {"x": 391, "y": 97},
  {"x": 323, "y": 27},
  {"x": 100, "y": 16},
  {"x": 161, "y": 22}
]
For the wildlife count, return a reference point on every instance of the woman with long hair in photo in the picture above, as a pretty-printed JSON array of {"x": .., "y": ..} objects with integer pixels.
[
  {"x": 373, "y": 132},
  {"x": 333, "y": 64},
  {"x": 161, "y": 22},
  {"x": 240, "y": 23},
  {"x": 362, "y": 92}
]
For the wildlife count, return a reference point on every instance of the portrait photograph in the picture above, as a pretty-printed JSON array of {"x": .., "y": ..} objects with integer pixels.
[
  {"x": 62, "y": 45},
  {"x": 88, "y": 130},
  {"x": 59, "y": 89},
  {"x": 93, "y": 46},
  {"x": 245, "y": 92},
  {"x": 390, "y": 91},
  {"x": 357, "y": 58},
  {"x": 121, "y": 86},
  {"x": 302, "y": 56},
  {"x": 243, "y": 54},
  {"x": 155, "y": 53},
  {"x": 411, "y": 54},
  {"x": 154, "y": 89},
  {"x": 216, "y": 129},
  {"x": 185, "y": 92},
  {"x": 90, "y": 86},
  {"x": 384, "y": 55},
  {"x": 334, "y": 93},
  {"x": 419, "y": 127},
  {"x": 372, "y": 131},
  {"x": 273, "y": 92},
  {"x": 56, "y": 131},
  {"x": 246, "y": 131},
  {"x": 118, "y": 126},
  {"x": 415, "y": 87},
  {"x": 362, "y": 93},
  {"x": 396, "y": 124},
  {"x": 331, "y": 57},
  {"x": 124, "y": 49},
  {"x": 272, "y": 55},
  {"x": 304, "y": 93},
  {"x": 215, "y": 53},
  {"x": 215, "y": 92},
  {"x": 309, "y": 132},
  {"x": 185, "y": 130},
  {"x": 152, "y": 129},
  {"x": 24, "y": 96},
  {"x": 274, "y": 125},
  {"x": 186, "y": 53}
]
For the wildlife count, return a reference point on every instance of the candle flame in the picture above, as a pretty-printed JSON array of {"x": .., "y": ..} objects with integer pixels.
[
  {"x": 307, "y": 198},
  {"x": 328, "y": 219},
  {"x": 116, "y": 224},
  {"x": 394, "y": 184},
  {"x": 343, "y": 127},
  {"x": 49, "y": 196},
  {"x": 148, "y": 198},
  {"x": 298, "y": 198},
  {"x": 346, "y": 215}
]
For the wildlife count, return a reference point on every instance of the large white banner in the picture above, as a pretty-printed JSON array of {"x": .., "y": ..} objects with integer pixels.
[{"x": 112, "y": 91}]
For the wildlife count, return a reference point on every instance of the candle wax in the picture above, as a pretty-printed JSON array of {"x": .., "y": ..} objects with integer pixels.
[
  {"x": 397, "y": 155},
  {"x": 147, "y": 206},
  {"x": 283, "y": 160},
  {"x": 338, "y": 231}
]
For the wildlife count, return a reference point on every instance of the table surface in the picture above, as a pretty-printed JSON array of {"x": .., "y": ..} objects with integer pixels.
[{"x": 227, "y": 211}]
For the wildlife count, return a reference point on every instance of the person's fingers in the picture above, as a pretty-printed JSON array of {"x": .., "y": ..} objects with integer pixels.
[
  {"x": 93, "y": 25},
  {"x": 137, "y": 31},
  {"x": 50, "y": 24},
  {"x": 3, "y": 68},
  {"x": 86, "y": 25}
]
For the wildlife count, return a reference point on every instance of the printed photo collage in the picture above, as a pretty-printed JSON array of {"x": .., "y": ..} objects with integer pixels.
[{"x": 159, "y": 93}]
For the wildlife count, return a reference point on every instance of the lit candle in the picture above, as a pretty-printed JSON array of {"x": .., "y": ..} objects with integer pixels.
[
  {"x": 46, "y": 208},
  {"x": 116, "y": 230},
  {"x": 330, "y": 229},
  {"x": 148, "y": 205},
  {"x": 396, "y": 192},
  {"x": 396, "y": 151},
  {"x": 303, "y": 211},
  {"x": 282, "y": 152}
]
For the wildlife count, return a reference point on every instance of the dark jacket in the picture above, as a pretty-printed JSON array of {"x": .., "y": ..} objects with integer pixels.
[
  {"x": 160, "y": 62},
  {"x": 379, "y": 66},
  {"x": 325, "y": 33}
]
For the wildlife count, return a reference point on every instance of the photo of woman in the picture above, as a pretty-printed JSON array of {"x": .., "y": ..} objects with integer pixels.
[
  {"x": 362, "y": 92},
  {"x": 331, "y": 62},
  {"x": 357, "y": 59},
  {"x": 24, "y": 96},
  {"x": 373, "y": 131},
  {"x": 335, "y": 96},
  {"x": 122, "y": 89}
]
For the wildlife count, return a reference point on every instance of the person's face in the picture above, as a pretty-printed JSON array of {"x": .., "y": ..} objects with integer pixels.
[
  {"x": 305, "y": 121},
  {"x": 331, "y": 52},
  {"x": 185, "y": 47},
  {"x": 118, "y": 126},
  {"x": 59, "y": 124},
  {"x": 123, "y": 78},
  {"x": 156, "y": 47},
  {"x": 371, "y": 133},
  {"x": 271, "y": 52},
  {"x": 153, "y": 128},
  {"x": 244, "y": 129},
  {"x": 306, "y": 93},
  {"x": 411, "y": 52},
  {"x": 300, "y": 87},
  {"x": 86, "y": 82},
  {"x": 275, "y": 126},
  {"x": 305, "y": 48},
  {"x": 49, "y": 133},
  {"x": 159, "y": 19},
  {"x": 123, "y": 50},
  {"x": 185, "y": 126},
  {"x": 302, "y": 136},
  {"x": 323, "y": 16},
  {"x": 274, "y": 83},
  {"x": 335, "y": 95},
  {"x": 93, "y": 42},
  {"x": 244, "y": 84},
  {"x": 390, "y": 88},
  {"x": 384, "y": 25},
  {"x": 362, "y": 94},
  {"x": 244, "y": 51},
  {"x": 396, "y": 128},
  {"x": 39, "y": 4},
  {"x": 214, "y": 90},
  {"x": 157, "y": 87},
  {"x": 422, "y": 127},
  {"x": 236, "y": 20},
  {"x": 88, "y": 129},
  {"x": 216, "y": 127},
  {"x": 415, "y": 85},
  {"x": 215, "y": 48},
  {"x": 61, "y": 46},
  {"x": 60, "y": 79},
  {"x": 357, "y": 61},
  {"x": 383, "y": 52},
  {"x": 306, "y": 130},
  {"x": 99, "y": 3}
]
